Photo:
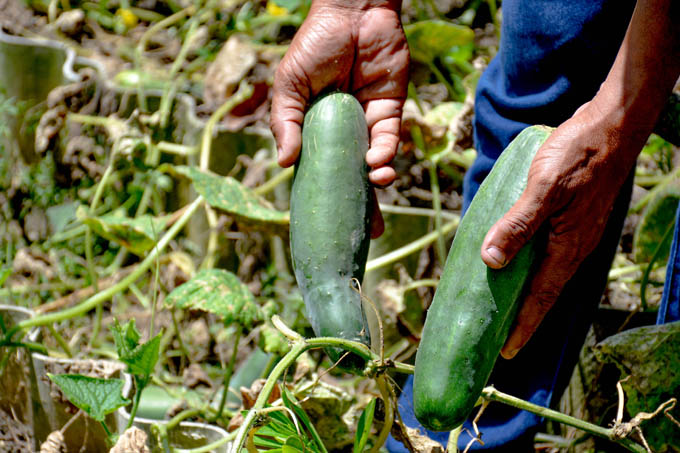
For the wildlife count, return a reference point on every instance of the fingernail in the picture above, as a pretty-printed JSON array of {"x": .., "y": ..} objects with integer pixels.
[
  {"x": 496, "y": 255},
  {"x": 511, "y": 354}
]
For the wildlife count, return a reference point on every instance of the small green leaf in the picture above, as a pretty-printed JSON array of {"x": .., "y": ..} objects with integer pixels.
[
  {"x": 291, "y": 403},
  {"x": 4, "y": 274},
  {"x": 429, "y": 39},
  {"x": 229, "y": 195},
  {"x": 364, "y": 427},
  {"x": 96, "y": 396},
  {"x": 125, "y": 337},
  {"x": 292, "y": 445},
  {"x": 138, "y": 235},
  {"x": 142, "y": 360},
  {"x": 219, "y": 292},
  {"x": 273, "y": 341}
]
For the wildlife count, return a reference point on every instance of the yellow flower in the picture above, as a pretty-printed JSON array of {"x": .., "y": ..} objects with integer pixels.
[{"x": 276, "y": 10}]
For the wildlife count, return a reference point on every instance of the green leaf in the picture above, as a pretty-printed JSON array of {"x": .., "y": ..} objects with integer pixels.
[
  {"x": 429, "y": 39},
  {"x": 229, "y": 195},
  {"x": 4, "y": 274},
  {"x": 292, "y": 445},
  {"x": 291, "y": 403},
  {"x": 219, "y": 292},
  {"x": 364, "y": 427},
  {"x": 657, "y": 217},
  {"x": 650, "y": 355},
  {"x": 290, "y": 5},
  {"x": 273, "y": 341},
  {"x": 142, "y": 360},
  {"x": 125, "y": 337},
  {"x": 138, "y": 235},
  {"x": 96, "y": 396}
]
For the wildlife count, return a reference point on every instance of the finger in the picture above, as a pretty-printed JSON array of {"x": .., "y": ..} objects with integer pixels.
[
  {"x": 377, "y": 222},
  {"x": 290, "y": 96},
  {"x": 558, "y": 266},
  {"x": 382, "y": 176},
  {"x": 513, "y": 230},
  {"x": 383, "y": 117}
]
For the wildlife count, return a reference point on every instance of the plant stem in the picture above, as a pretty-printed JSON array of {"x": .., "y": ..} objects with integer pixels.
[
  {"x": 109, "y": 434},
  {"x": 409, "y": 210},
  {"x": 648, "y": 269},
  {"x": 175, "y": 148},
  {"x": 492, "y": 394},
  {"x": 245, "y": 90},
  {"x": 100, "y": 297},
  {"x": 139, "y": 384},
  {"x": 452, "y": 443},
  {"x": 227, "y": 377},
  {"x": 211, "y": 447},
  {"x": 182, "y": 348},
  {"x": 621, "y": 271},
  {"x": 60, "y": 340},
  {"x": 179, "y": 418},
  {"x": 438, "y": 74},
  {"x": 278, "y": 178},
  {"x": 437, "y": 205},
  {"x": 386, "y": 395},
  {"x": 401, "y": 252},
  {"x": 141, "y": 47}
]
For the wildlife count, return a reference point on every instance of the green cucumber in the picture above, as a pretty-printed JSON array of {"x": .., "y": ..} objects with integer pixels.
[
  {"x": 474, "y": 306},
  {"x": 330, "y": 207}
]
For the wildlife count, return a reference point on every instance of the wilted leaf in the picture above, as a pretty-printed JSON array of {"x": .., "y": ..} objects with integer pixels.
[
  {"x": 650, "y": 355},
  {"x": 657, "y": 217},
  {"x": 139, "y": 234},
  {"x": 96, "y": 396},
  {"x": 429, "y": 39},
  {"x": 220, "y": 292},
  {"x": 229, "y": 195}
]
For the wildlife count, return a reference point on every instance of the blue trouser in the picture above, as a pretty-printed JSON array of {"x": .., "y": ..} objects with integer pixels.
[{"x": 552, "y": 58}]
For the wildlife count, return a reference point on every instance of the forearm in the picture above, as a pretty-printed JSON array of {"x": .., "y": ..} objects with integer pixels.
[{"x": 644, "y": 72}]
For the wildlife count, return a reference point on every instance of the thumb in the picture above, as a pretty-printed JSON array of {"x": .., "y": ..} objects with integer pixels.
[
  {"x": 291, "y": 94},
  {"x": 512, "y": 231}
]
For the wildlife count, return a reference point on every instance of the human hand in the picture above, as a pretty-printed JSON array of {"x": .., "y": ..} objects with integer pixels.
[
  {"x": 572, "y": 184},
  {"x": 355, "y": 46}
]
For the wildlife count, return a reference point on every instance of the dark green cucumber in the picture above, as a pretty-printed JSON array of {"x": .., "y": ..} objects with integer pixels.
[
  {"x": 329, "y": 219},
  {"x": 474, "y": 306}
]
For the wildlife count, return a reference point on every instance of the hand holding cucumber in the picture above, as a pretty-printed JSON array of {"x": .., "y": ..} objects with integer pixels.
[{"x": 357, "y": 47}]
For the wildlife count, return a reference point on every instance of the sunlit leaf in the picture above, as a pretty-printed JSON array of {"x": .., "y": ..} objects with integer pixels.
[
  {"x": 96, "y": 396},
  {"x": 429, "y": 39},
  {"x": 650, "y": 355},
  {"x": 364, "y": 427},
  {"x": 139, "y": 234},
  {"x": 227, "y": 194},
  {"x": 219, "y": 292}
]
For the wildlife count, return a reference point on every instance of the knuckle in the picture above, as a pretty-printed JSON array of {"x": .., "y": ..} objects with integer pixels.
[{"x": 520, "y": 226}]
